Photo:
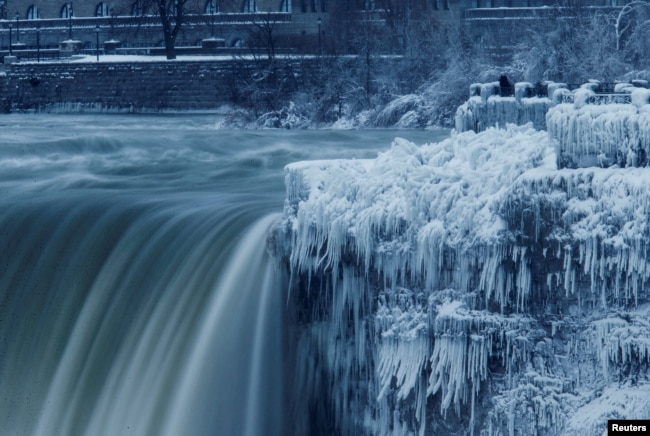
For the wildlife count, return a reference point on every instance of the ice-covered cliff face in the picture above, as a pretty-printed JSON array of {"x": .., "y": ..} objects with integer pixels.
[{"x": 467, "y": 286}]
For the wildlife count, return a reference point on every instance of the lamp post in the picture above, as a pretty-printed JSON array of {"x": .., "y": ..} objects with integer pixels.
[
  {"x": 213, "y": 4},
  {"x": 10, "y": 43},
  {"x": 70, "y": 21},
  {"x": 38, "y": 43},
  {"x": 17, "y": 28},
  {"x": 97, "y": 39},
  {"x": 320, "y": 47},
  {"x": 112, "y": 11}
]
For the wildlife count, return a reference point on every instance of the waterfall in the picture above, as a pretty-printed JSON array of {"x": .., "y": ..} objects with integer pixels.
[
  {"x": 134, "y": 316},
  {"x": 243, "y": 322}
]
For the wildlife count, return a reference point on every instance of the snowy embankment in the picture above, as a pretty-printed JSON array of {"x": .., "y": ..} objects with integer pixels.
[{"x": 468, "y": 286}]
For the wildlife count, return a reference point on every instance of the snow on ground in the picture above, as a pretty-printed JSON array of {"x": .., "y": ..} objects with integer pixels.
[{"x": 112, "y": 58}]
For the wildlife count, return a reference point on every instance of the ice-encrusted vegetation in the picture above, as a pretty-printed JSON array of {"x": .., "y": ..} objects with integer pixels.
[
  {"x": 396, "y": 212},
  {"x": 587, "y": 135},
  {"x": 467, "y": 286},
  {"x": 489, "y": 110}
]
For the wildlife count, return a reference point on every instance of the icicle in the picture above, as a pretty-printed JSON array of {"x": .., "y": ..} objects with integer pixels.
[
  {"x": 485, "y": 109},
  {"x": 620, "y": 342},
  {"x": 464, "y": 341},
  {"x": 404, "y": 250}
]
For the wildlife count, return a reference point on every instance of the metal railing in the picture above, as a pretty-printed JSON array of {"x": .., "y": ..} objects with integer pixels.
[
  {"x": 147, "y": 20},
  {"x": 599, "y": 99},
  {"x": 531, "y": 12}
]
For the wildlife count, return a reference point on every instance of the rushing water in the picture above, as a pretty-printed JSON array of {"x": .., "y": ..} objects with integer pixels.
[{"x": 136, "y": 295}]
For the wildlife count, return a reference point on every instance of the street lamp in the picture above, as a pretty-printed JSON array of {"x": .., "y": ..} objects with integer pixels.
[
  {"x": 112, "y": 11},
  {"x": 70, "y": 21},
  {"x": 17, "y": 28},
  {"x": 38, "y": 43},
  {"x": 213, "y": 4},
  {"x": 97, "y": 38},
  {"x": 320, "y": 48}
]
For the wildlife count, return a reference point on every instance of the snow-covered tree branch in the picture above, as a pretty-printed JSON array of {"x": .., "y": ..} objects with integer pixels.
[{"x": 623, "y": 21}]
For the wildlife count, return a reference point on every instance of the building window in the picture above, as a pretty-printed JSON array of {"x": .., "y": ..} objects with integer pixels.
[
  {"x": 211, "y": 7},
  {"x": 137, "y": 9},
  {"x": 33, "y": 13},
  {"x": 323, "y": 6},
  {"x": 66, "y": 11},
  {"x": 445, "y": 5},
  {"x": 101, "y": 10},
  {"x": 249, "y": 6},
  {"x": 369, "y": 5},
  {"x": 285, "y": 6}
]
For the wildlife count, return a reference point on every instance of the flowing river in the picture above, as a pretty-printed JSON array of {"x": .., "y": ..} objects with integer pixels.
[{"x": 136, "y": 294}]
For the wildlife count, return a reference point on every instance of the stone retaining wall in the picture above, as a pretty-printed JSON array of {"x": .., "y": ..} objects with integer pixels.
[{"x": 140, "y": 86}]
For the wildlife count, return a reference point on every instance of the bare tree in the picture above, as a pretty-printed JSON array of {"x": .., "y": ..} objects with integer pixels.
[
  {"x": 623, "y": 21},
  {"x": 172, "y": 13},
  {"x": 262, "y": 34}
]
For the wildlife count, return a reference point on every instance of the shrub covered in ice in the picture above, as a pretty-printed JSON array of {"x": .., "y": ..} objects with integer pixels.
[
  {"x": 394, "y": 112},
  {"x": 286, "y": 118},
  {"x": 394, "y": 213}
]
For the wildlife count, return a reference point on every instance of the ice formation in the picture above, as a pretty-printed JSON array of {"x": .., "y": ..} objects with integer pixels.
[
  {"x": 586, "y": 135},
  {"x": 587, "y": 127},
  {"x": 486, "y": 108},
  {"x": 472, "y": 286}
]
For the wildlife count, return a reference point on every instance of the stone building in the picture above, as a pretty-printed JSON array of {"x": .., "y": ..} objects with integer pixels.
[{"x": 296, "y": 24}]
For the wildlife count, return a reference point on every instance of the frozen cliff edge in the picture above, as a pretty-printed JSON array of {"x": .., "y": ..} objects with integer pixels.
[{"x": 467, "y": 286}]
